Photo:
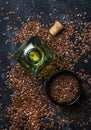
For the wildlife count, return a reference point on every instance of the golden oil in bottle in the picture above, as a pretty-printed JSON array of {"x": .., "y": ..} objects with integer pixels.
[{"x": 37, "y": 58}]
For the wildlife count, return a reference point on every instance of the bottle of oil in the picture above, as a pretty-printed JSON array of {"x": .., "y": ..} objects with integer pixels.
[{"x": 37, "y": 58}]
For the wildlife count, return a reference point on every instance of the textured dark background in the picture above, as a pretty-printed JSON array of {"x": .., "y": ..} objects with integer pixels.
[{"x": 22, "y": 9}]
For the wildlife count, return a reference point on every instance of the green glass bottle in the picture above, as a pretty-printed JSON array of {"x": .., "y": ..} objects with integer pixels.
[{"x": 37, "y": 58}]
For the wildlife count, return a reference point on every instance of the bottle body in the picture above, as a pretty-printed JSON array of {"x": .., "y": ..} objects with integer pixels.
[{"x": 36, "y": 57}]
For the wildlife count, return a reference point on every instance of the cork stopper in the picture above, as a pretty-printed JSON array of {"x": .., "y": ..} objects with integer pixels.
[{"x": 56, "y": 28}]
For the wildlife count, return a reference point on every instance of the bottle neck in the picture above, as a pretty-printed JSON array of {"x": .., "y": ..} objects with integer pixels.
[{"x": 48, "y": 69}]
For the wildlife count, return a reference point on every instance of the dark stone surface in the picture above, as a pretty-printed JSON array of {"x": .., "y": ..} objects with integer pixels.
[{"x": 46, "y": 6}]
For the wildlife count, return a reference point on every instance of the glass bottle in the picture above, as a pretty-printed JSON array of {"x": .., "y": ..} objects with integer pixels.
[{"x": 37, "y": 58}]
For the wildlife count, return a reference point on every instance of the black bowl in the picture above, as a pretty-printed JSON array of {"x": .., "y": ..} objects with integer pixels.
[{"x": 48, "y": 88}]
